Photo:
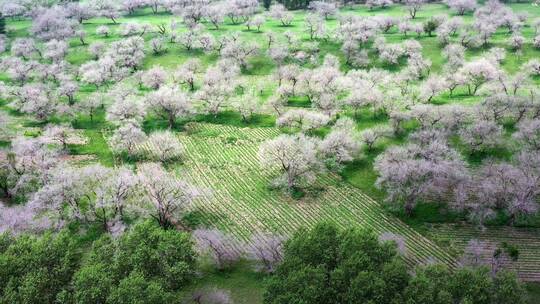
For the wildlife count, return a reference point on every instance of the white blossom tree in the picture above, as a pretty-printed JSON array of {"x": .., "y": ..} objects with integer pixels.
[
  {"x": 59, "y": 134},
  {"x": 222, "y": 248},
  {"x": 35, "y": 99},
  {"x": 481, "y": 135},
  {"x": 22, "y": 219},
  {"x": 158, "y": 45},
  {"x": 131, "y": 5},
  {"x": 107, "y": 9},
  {"x": 215, "y": 14},
  {"x": 324, "y": 9},
  {"x": 90, "y": 104},
  {"x": 4, "y": 125},
  {"x": 240, "y": 52},
  {"x": 413, "y": 6},
  {"x": 378, "y": 3},
  {"x": 162, "y": 146},
  {"x": 370, "y": 137},
  {"x": 315, "y": 26},
  {"x": 279, "y": 12},
  {"x": 91, "y": 194},
  {"x": 53, "y": 23},
  {"x": 427, "y": 172},
  {"x": 432, "y": 87},
  {"x": 169, "y": 103},
  {"x": 477, "y": 73},
  {"x": 187, "y": 73},
  {"x": 80, "y": 11},
  {"x": 266, "y": 249},
  {"x": 247, "y": 104},
  {"x": 127, "y": 138},
  {"x": 97, "y": 49},
  {"x": 102, "y": 71},
  {"x": 341, "y": 144},
  {"x": 528, "y": 134},
  {"x": 292, "y": 155},
  {"x": 55, "y": 50},
  {"x": 391, "y": 54},
  {"x": 127, "y": 53},
  {"x": 103, "y": 30},
  {"x": 322, "y": 86},
  {"x": 129, "y": 109},
  {"x": 12, "y": 9},
  {"x": 166, "y": 197},
  {"x": 462, "y": 6},
  {"x": 155, "y": 5},
  {"x": 303, "y": 119},
  {"x": 218, "y": 86},
  {"x": 191, "y": 11},
  {"x": 241, "y": 10},
  {"x": 509, "y": 187},
  {"x": 255, "y": 22},
  {"x": 155, "y": 77},
  {"x": 20, "y": 70},
  {"x": 516, "y": 41},
  {"x": 26, "y": 166},
  {"x": 25, "y": 48}
]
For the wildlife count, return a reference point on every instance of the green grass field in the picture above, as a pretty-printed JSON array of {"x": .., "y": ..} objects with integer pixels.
[
  {"x": 221, "y": 154},
  {"x": 224, "y": 159}
]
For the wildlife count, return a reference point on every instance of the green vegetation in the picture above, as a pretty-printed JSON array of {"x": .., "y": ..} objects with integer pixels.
[
  {"x": 36, "y": 270},
  {"x": 524, "y": 239},
  {"x": 146, "y": 265},
  {"x": 360, "y": 173},
  {"x": 340, "y": 261},
  {"x": 219, "y": 157},
  {"x": 2, "y": 25},
  {"x": 326, "y": 265}
]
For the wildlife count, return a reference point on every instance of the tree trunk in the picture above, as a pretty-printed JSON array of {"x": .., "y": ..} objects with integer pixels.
[
  {"x": 290, "y": 183},
  {"x": 475, "y": 89},
  {"x": 171, "y": 121},
  {"x": 5, "y": 189},
  {"x": 409, "y": 206}
]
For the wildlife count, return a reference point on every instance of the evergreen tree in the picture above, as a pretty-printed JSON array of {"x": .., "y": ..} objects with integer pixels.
[
  {"x": 2, "y": 24},
  {"x": 295, "y": 4},
  {"x": 331, "y": 266}
]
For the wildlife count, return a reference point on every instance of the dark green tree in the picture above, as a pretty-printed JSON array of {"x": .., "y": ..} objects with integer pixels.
[
  {"x": 267, "y": 3},
  {"x": 472, "y": 285},
  {"x": 137, "y": 289},
  {"x": 295, "y": 4},
  {"x": 327, "y": 265},
  {"x": 157, "y": 253},
  {"x": 2, "y": 24},
  {"x": 507, "y": 289},
  {"x": 430, "y": 26},
  {"x": 37, "y": 269},
  {"x": 437, "y": 284},
  {"x": 429, "y": 285},
  {"x": 145, "y": 265},
  {"x": 93, "y": 283}
]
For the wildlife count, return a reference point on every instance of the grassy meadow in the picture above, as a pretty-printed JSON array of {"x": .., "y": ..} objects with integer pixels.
[{"x": 221, "y": 151}]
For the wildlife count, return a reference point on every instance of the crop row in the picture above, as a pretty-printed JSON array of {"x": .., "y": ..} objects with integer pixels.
[
  {"x": 224, "y": 159},
  {"x": 527, "y": 241}
]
